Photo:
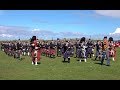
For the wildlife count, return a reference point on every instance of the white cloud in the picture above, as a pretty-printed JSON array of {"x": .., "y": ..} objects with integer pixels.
[
  {"x": 13, "y": 32},
  {"x": 117, "y": 31},
  {"x": 34, "y": 30},
  {"x": 115, "y": 34},
  {"x": 42, "y": 32},
  {"x": 6, "y": 35},
  {"x": 111, "y": 13}
]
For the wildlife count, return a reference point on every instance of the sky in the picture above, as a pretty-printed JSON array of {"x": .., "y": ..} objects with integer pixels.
[{"x": 52, "y": 24}]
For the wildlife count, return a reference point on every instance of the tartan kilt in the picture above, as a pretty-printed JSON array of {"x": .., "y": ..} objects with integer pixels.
[
  {"x": 7, "y": 51},
  {"x": 62, "y": 51},
  {"x": 52, "y": 52},
  {"x": 38, "y": 55},
  {"x": 89, "y": 51},
  {"x": 19, "y": 52},
  {"x": 47, "y": 51},
  {"x": 66, "y": 54},
  {"x": 10, "y": 52},
  {"x": 82, "y": 53},
  {"x": 112, "y": 53}
]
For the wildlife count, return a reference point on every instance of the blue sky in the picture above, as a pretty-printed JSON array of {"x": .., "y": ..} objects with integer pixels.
[{"x": 82, "y": 22}]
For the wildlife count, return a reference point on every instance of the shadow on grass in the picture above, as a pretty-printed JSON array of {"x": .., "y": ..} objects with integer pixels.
[
  {"x": 38, "y": 63},
  {"x": 52, "y": 57},
  {"x": 99, "y": 63},
  {"x": 58, "y": 56},
  {"x": 65, "y": 61},
  {"x": 95, "y": 60}
]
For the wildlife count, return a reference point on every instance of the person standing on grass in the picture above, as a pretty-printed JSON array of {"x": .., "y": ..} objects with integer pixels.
[
  {"x": 105, "y": 51},
  {"x": 82, "y": 51},
  {"x": 112, "y": 49},
  {"x": 77, "y": 46},
  {"x": 97, "y": 50},
  {"x": 19, "y": 49},
  {"x": 35, "y": 50},
  {"x": 66, "y": 54},
  {"x": 58, "y": 48},
  {"x": 52, "y": 49}
]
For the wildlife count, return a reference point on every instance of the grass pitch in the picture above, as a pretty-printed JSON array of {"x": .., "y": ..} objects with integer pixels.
[{"x": 55, "y": 69}]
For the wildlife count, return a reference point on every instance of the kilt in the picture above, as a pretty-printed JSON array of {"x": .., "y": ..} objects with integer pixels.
[
  {"x": 66, "y": 54},
  {"x": 17, "y": 53},
  {"x": 52, "y": 52},
  {"x": 89, "y": 50},
  {"x": 38, "y": 56},
  {"x": 78, "y": 52},
  {"x": 47, "y": 51},
  {"x": 82, "y": 54},
  {"x": 112, "y": 53}
]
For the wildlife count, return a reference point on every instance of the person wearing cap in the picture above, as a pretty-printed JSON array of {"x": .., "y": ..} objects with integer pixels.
[
  {"x": 19, "y": 48},
  {"x": 105, "y": 51},
  {"x": 77, "y": 46},
  {"x": 89, "y": 48},
  {"x": 35, "y": 50},
  {"x": 82, "y": 51},
  {"x": 112, "y": 49},
  {"x": 66, "y": 54},
  {"x": 52, "y": 49},
  {"x": 97, "y": 50}
]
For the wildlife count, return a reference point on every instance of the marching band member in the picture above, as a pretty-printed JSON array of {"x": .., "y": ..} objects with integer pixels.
[
  {"x": 35, "y": 50},
  {"x": 82, "y": 52},
  {"x": 59, "y": 47},
  {"x": 112, "y": 48},
  {"x": 98, "y": 50},
  {"x": 89, "y": 48},
  {"x": 105, "y": 51},
  {"x": 52, "y": 49},
  {"x": 66, "y": 51}
]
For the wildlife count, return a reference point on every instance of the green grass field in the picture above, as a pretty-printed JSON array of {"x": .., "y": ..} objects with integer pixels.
[{"x": 55, "y": 69}]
